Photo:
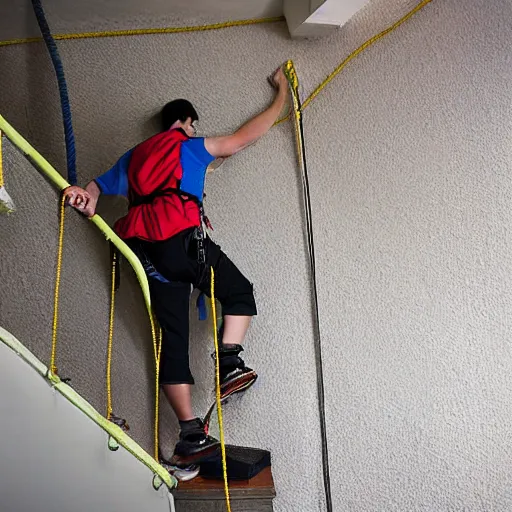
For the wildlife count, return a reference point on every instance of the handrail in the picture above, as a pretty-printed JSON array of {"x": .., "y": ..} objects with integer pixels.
[{"x": 43, "y": 166}]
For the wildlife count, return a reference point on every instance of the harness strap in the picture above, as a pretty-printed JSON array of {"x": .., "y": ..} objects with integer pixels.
[
  {"x": 199, "y": 235},
  {"x": 148, "y": 199}
]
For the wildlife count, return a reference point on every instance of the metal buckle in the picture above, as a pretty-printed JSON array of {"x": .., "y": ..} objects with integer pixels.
[{"x": 201, "y": 254}]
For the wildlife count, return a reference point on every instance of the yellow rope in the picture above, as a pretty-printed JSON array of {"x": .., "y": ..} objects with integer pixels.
[
  {"x": 111, "y": 336},
  {"x": 53, "y": 368},
  {"x": 158, "y": 351},
  {"x": 365, "y": 45},
  {"x": 156, "y": 334},
  {"x": 156, "y": 337},
  {"x": 153, "y": 336},
  {"x": 1, "y": 163},
  {"x": 217, "y": 26},
  {"x": 145, "y": 31},
  {"x": 217, "y": 391},
  {"x": 355, "y": 53},
  {"x": 293, "y": 80}
]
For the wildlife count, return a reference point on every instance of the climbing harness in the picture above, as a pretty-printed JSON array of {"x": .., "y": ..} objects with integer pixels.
[
  {"x": 143, "y": 207},
  {"x": 63, "y": 90},
  {"x": 293, "y": 81},
  {"x": 199, "y": 238}
]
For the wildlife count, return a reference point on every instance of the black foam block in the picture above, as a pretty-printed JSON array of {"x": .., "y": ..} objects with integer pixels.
[{"x": 242, "y": 463}]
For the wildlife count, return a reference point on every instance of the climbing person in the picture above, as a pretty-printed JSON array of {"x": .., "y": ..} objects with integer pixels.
[{"x": 163, "y": 179}]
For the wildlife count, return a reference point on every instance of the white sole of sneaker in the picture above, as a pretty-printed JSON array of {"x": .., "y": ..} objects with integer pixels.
[{"x": 182, "y": 474}]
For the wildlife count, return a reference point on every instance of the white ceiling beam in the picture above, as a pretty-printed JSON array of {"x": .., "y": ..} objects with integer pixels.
[{"x": 317, "y": 18}]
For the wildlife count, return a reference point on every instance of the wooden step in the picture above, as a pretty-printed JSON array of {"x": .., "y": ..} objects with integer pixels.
[{"x": 205, "y": 495}]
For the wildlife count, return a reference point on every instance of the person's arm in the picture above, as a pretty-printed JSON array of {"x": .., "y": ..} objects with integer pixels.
[
  {"x": 253, "y": 129},
  {"x": 94, "y": 192},
  {"x": 112, "y": 182}
]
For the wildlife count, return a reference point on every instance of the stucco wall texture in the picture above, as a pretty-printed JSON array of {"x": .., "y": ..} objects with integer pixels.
[{"x": 409, "y": 153}]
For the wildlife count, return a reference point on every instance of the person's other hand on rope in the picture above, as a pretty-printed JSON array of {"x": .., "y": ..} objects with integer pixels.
[{"x": 81, "y": 200}]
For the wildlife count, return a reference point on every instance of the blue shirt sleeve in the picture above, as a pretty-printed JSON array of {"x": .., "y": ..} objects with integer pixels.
[
  {"x": 114, "y": 182},
  {"x": 194, "y": 153}
]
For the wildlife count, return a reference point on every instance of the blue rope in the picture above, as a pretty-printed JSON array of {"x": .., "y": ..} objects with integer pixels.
[{"x": 63, "y": 90}]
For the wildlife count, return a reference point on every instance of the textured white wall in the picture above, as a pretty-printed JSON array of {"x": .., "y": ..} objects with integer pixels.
[
  {"x": 66, "y": 16},
  {"x": 409, "y": 152},
  {"x": 412, "y": 208}
]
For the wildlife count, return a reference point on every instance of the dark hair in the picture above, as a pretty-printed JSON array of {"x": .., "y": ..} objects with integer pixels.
[{"x": 177, "y": 110}]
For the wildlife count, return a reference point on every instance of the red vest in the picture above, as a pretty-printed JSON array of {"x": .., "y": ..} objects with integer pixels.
[{"x": 154, "y": 214}]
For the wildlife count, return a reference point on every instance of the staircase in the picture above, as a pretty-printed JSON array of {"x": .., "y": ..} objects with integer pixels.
[{"x": 54, "y": 457}]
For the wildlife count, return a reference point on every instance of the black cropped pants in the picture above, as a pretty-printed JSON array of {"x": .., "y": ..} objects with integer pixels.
[{"x": 173, "y": 270}]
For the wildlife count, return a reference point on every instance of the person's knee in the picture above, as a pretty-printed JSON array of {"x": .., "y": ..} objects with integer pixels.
[
  {"x": 241, "y": 301},
  {"x": 175, "y": 370}
]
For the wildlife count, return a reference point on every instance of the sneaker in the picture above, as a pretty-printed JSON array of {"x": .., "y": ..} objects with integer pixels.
[
  {"x": 235, "y": 377},
  {"x": 183, "y": 473},
  {"x": 194, "y": 445}
]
